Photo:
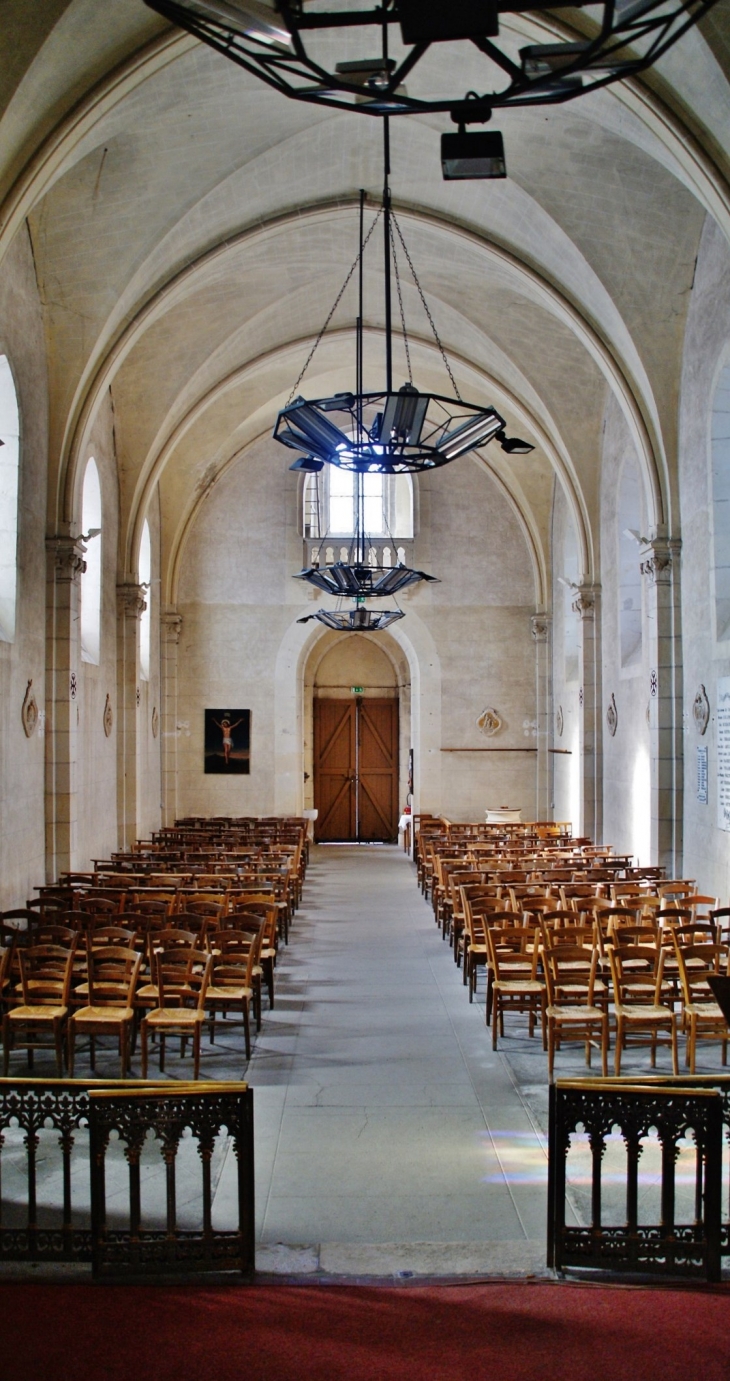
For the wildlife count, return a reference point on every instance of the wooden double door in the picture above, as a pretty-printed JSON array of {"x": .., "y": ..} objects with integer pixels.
[{"x": 356, "y": 769}]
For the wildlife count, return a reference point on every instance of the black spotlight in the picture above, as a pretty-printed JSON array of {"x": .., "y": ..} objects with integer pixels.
[{"x": 473, "y": 155}]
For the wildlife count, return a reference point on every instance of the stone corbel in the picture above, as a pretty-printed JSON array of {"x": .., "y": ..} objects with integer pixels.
[
  {"x": 67, "y": 555},
  {"x": 584, "y": 603},
  {"x": 131, "y": 599},
  {"x": 660, "y": 555},
  {"x": 540, "y": 627},
  {"x": 171, "y": 623}
]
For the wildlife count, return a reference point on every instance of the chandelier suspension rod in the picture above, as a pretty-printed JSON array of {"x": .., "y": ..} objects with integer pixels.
[{"x": 386, "y": 247}]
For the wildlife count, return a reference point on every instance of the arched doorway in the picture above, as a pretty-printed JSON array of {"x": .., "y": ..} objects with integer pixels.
[{"x": 355, "y": 742}]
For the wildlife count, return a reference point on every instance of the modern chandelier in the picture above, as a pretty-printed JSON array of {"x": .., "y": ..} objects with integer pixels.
[
  {"x": 385, "y": 433},
  {"x": 340, "y": 54}
]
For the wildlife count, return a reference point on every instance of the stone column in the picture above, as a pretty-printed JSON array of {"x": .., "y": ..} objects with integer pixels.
[
  {"x": 587, "y": 604},
  {"x": 170, "y": 629},
  {"x": 130, "y": 605},
  {"x": 661, "y": 566},
  {"x": 541, "y": 628},
  {"x": 65, "y": 565}
]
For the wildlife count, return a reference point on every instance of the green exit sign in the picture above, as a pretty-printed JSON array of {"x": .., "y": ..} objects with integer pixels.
[{"x": 357, "y": 690}]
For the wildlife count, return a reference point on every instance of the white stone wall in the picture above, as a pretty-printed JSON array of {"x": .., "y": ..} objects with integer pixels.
[
  {"x": 707, "y": 348},
  {"x": 470, "y": 634},
  {"x": 22, "y": 828}
]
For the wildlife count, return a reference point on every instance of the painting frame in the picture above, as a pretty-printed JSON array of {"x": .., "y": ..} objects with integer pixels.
[{"x": 227, "y": 742}]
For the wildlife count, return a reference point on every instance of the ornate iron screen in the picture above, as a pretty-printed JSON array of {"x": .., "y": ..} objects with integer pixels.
[
  {"x": 131, "y": 1129},
  {"x": 684, "y": 1114}
]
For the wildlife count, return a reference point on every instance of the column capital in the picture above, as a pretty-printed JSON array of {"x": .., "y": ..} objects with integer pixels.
[
  {"x": 66, "y": 557},
  {"x": 585, "y": 601},
  {"x": 131, "y": 600},
  {"x": 659, "y": 557},
  {"x": 540, "y": 627},
  {"x": 171, "y": 623}
]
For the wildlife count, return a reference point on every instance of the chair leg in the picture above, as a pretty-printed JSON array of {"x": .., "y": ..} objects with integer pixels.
[
  {"x": 58, "y": 1042},
  {"x": 124, "y": 1043},
  {"x": 496, "y": 1014},
  {"x": 143, "y": 1037},
  {"x": 675, "y": 1061},
  {"x": 619, "y": 1046},
  {"x": 604, "y": 1045},
  {"x": 162, "y": 1052},
  {"x": 246, "y": 1028},
  {"x": 71, "y": 1047},
  {"x": 6, "y": 1045},
  {"x": 196, "y": 1050}
]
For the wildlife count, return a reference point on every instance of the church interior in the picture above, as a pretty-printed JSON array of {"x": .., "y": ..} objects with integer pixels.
[{"x": 538, "y": 716}]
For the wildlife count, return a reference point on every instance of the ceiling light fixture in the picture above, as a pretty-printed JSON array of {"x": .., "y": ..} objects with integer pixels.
[{"x": 280, "y": 42}]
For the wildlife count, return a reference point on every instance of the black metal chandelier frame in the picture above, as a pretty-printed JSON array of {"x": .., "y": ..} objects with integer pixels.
[{"x": 271, "y": 41}]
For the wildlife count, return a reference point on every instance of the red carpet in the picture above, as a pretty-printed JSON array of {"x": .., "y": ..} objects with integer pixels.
[{"x": 504, "y": 1332}]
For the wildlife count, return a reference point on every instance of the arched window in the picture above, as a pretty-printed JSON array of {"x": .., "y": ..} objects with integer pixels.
[
  {"x": 9, "y": 466},
  {"x": 721, "y": 501},
  {"x": 629, "y": 522},
  {"x": 91, "y": 578},
  {"x": 329, "y": 504},
  {"x": 145, "y": 623}
]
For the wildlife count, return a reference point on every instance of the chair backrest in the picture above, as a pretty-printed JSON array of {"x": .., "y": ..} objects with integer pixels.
[
  {"x": 646, "y": 967},
  {"x": 113, "y": 972},
  {"x": 98, "y": 905},
  {"x": 696, "y": 963},
  {"x": 696, "y": 933},
  {"x": 182, "y": 976},
  {"x": 101, "y": 937},
  {"x": 45, "y": 974},
  {"x": 55, "y": 935},
  {"x": 570, "y": 974},
  {"x": 508, "y": 952}
]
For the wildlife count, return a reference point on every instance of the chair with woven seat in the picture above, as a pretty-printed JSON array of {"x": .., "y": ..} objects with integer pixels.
[
  {"x": 113, "y": 973},
  {"x": 640, "y": 1001},
  {"x": 702, "y": 1017},
  {"x": 45, "y": 984},
  {"x": 232, "y": 985},
  {"x": 515, "y": 984},
  {"x": 182, "y": 978},
  {"x": 572, "y": 1013}
]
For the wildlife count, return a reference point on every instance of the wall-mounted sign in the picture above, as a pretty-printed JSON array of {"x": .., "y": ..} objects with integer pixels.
[
  {"x": 723, "y": 752},
  {"x": 357, "y": 690},
  {"x": 702, "y": 796}
]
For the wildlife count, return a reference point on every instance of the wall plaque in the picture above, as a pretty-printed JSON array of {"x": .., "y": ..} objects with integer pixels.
[
  {"x": 702, "y": 795},
  {"x": 723, "y": 752}
]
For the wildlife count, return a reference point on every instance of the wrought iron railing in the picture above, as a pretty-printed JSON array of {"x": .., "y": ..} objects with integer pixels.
[
  {"x": 672, "y": 1224},
  {"x": 90, "y": 1172}
]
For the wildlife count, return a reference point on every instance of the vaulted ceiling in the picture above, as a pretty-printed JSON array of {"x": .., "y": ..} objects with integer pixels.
[{"x": 191, "y": 228}]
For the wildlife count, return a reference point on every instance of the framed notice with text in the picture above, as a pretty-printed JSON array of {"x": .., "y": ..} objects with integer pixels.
[{"x": 723, "y": 752}]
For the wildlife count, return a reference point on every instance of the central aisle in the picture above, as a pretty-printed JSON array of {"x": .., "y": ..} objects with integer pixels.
[{"x": 382, "y": 1115}]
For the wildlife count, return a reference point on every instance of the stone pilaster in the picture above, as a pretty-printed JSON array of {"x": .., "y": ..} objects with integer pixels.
[
  {"x": 587, "y": 605},
  {"x": 64, "y": 567},
  {"x": 661, "y": 568},
  {"x": 130, "y": 605},
  {"x": 170, "y": 629},
  {"x": 541, "y": 628}
]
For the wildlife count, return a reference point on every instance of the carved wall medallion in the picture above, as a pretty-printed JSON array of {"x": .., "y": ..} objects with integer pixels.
[
  {"x": 29, "y": 711},
  {"x": 490, "y": 722},
  {"x": 701, "y": 710},
  {"x": 155, "y": 722},
  {"x": 108, "y": 717},
  {"x": 139, "y": 695},
  {"x": 559, "y": 721},
  {"x": 654, "y": 683},
  {"x": 612, "y": 716},
  {"x": 580, "y": 696},
  {"x": 73, "y": 686}
]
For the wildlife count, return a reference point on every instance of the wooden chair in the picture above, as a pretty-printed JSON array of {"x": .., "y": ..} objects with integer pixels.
[
  {"x": 638, "y": 997},
  {"x": 515, "y": 984},
  {"x": 45, "y": 979},
  {"x": 182, "y": 980},
  {"x": 702, "y": 1018},
  {"x": 113, "y": 973},
  {"x": 572, "y": 1013},
  {"x": 232, "y": 981}
]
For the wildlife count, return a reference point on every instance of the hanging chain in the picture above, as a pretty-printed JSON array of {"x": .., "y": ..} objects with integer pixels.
[
  {"x": 400, "y": 304},
  {"x": 333, "y": 309},
  {"x": 426, "y": 309}
]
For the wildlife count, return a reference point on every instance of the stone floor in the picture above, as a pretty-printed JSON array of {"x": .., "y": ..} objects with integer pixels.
[{"x": 390, "y": 1138}]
